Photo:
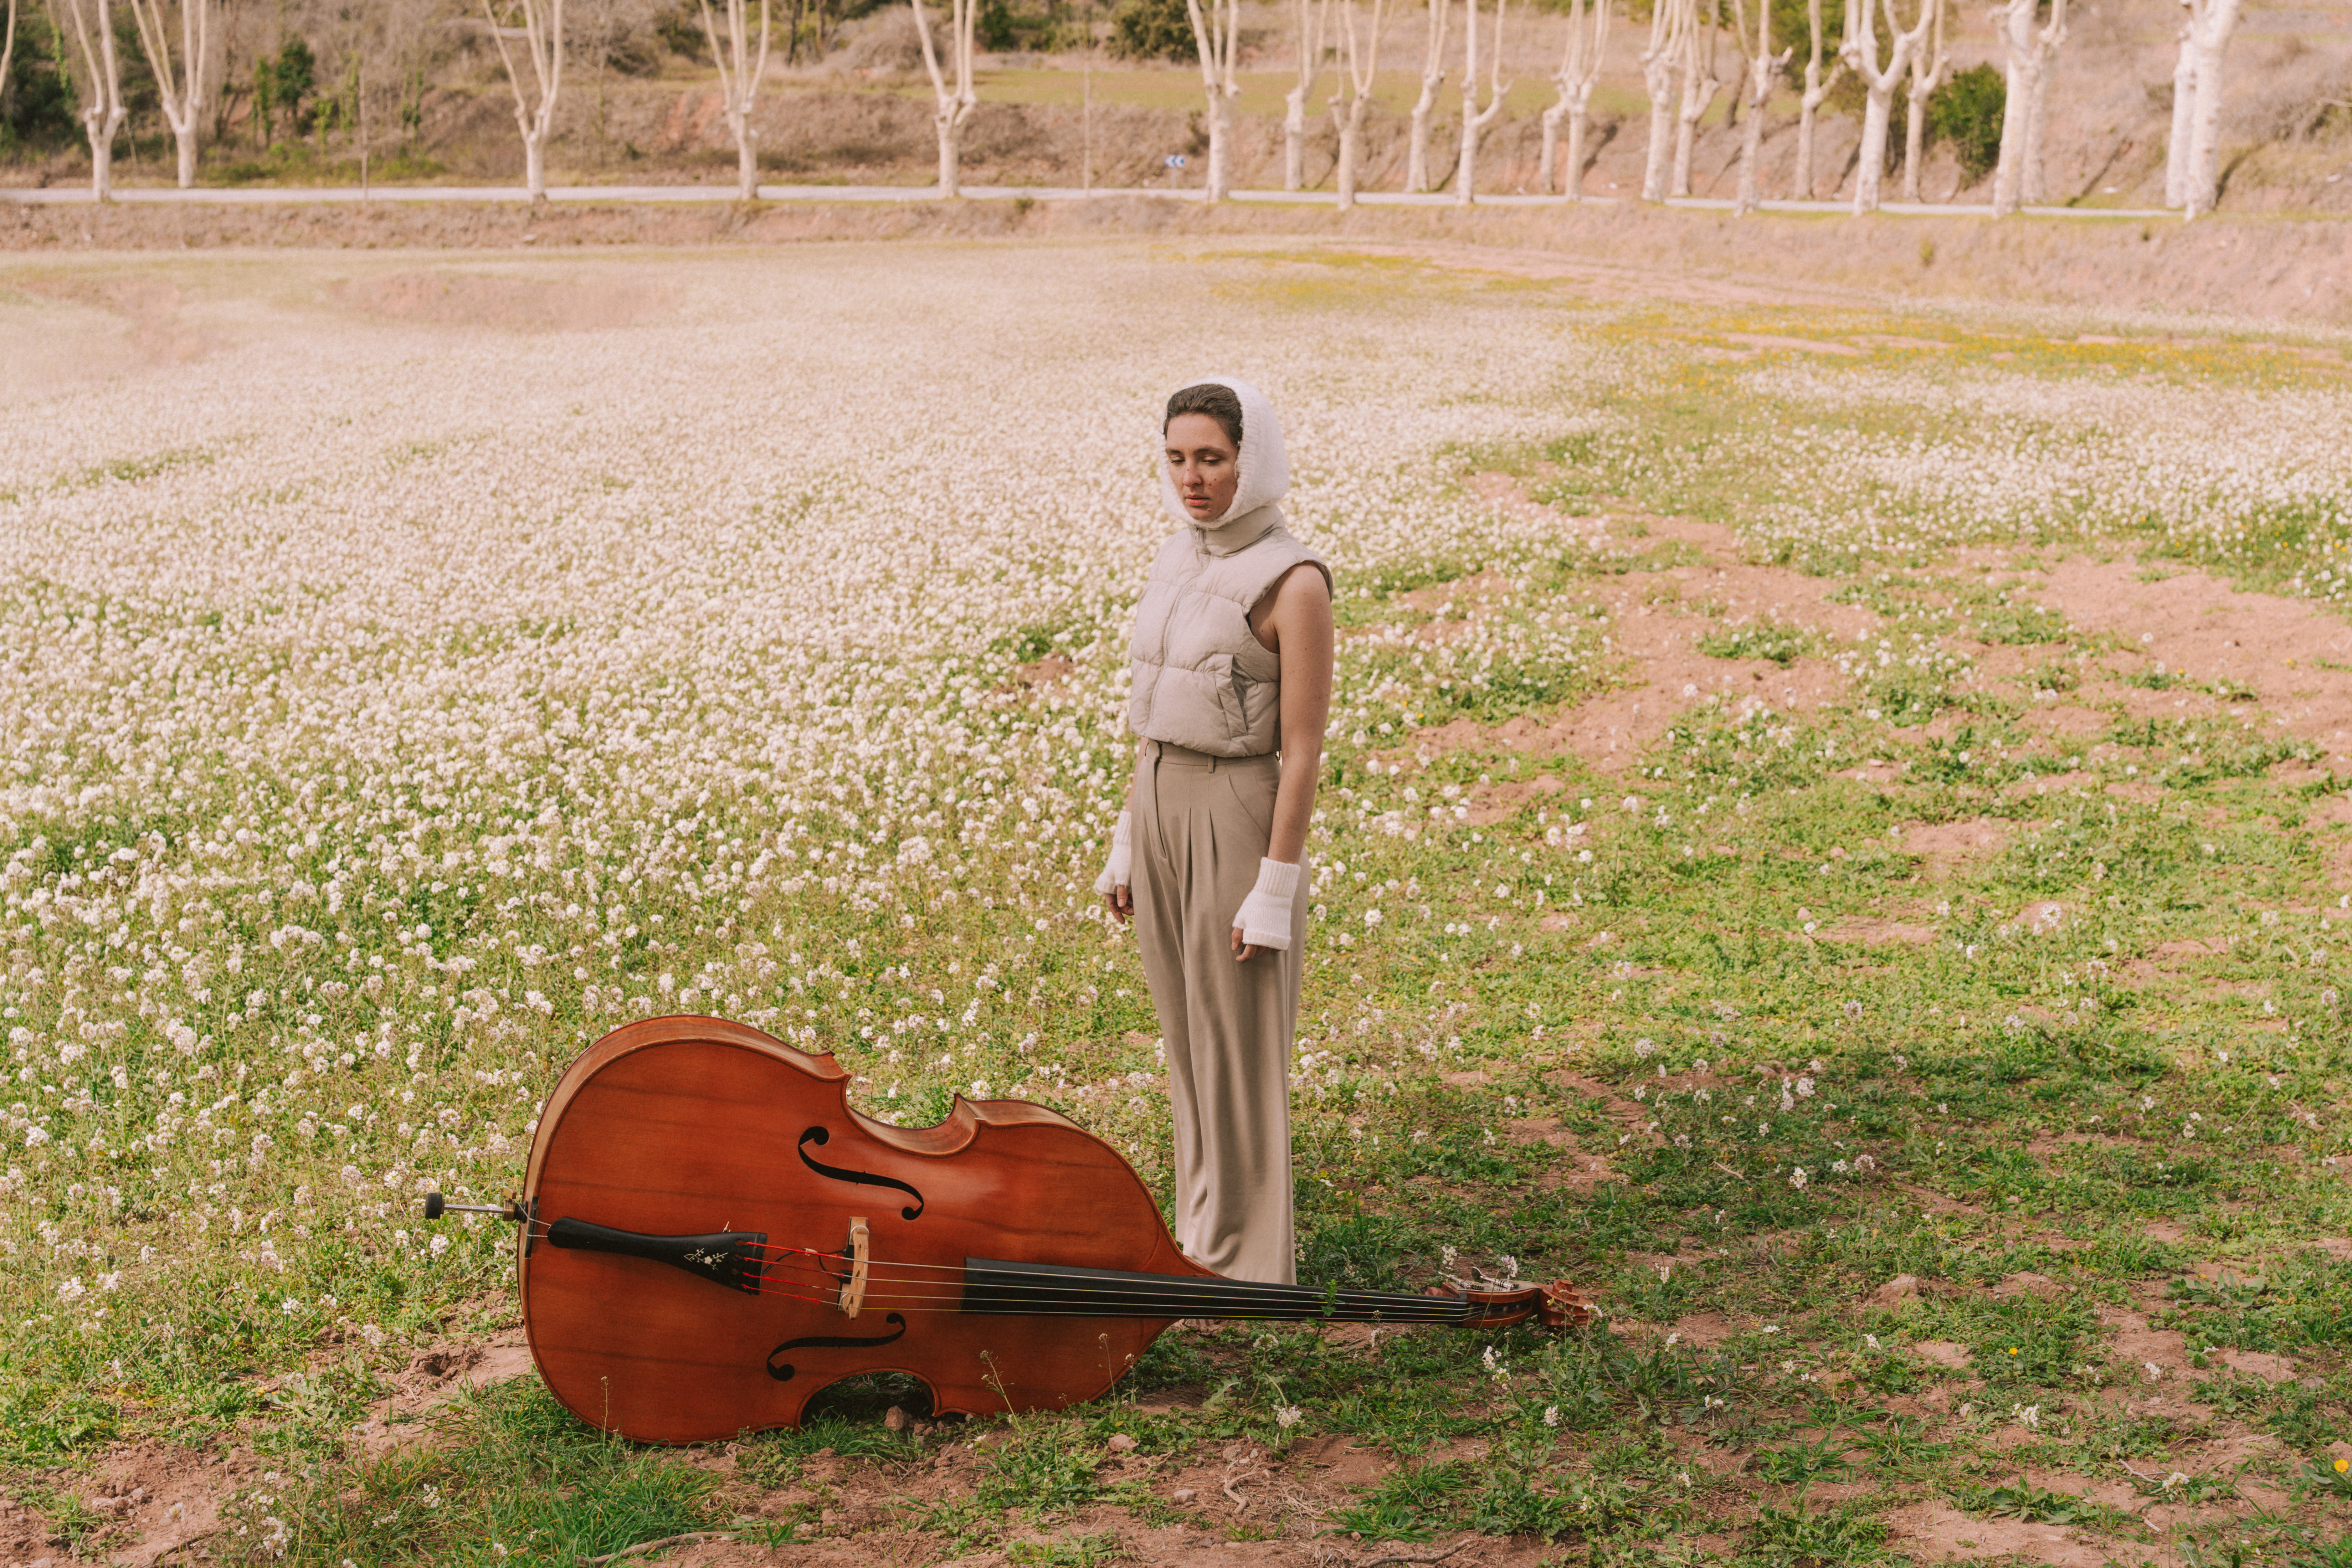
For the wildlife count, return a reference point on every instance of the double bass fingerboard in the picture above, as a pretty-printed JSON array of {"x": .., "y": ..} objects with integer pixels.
[{"x": 995, "y": 1288}]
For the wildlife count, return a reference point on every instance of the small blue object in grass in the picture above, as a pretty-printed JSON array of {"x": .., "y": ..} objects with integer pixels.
[{"x": 1175, "y": 160}]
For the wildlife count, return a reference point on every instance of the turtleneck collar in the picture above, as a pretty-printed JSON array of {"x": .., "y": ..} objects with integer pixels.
[{"x": 1233, "y": 537}]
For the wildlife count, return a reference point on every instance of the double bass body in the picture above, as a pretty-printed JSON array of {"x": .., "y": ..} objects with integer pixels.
[{"x": 711, "y": 1132}]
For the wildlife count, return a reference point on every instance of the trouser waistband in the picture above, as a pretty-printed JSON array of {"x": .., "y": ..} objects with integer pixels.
[{"x": 1186, "y": 757}]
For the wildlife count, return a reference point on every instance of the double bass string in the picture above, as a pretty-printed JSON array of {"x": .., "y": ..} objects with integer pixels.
[{"x": 1225, "y": 1298}]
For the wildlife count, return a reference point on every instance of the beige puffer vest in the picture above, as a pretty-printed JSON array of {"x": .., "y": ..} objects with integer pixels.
[{"x": 1203, "y": 680}]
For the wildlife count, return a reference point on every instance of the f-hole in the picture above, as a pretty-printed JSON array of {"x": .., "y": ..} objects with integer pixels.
[
  {"x": 781, "y": 1371},
  {"x": 820, "y": 1137}
]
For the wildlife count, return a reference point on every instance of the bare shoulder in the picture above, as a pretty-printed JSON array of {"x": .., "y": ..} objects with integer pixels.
[{"x": 1303, "y": 586}]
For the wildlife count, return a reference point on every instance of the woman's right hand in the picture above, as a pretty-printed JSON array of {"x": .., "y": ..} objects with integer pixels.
[{"x": 1118, "y": 896}]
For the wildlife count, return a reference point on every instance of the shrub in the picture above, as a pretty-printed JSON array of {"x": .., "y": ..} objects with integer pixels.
[
  {"x": 37, "y": 106},
  {"x": 1966, "y": 111},
  {"x": 1006, "y": 26},
  {"x": 1153, "y": 30},
  {"x": 1792, "y": 30}
]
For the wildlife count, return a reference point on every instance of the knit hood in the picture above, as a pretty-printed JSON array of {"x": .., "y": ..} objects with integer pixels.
[{"x": 1265, "y": 477}]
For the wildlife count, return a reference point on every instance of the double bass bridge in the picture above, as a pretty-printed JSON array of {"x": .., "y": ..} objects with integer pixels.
[{"x": 858, "y": 1249}]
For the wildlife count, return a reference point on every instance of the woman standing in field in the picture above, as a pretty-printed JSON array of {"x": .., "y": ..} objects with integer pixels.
[{"x": 1233, "y": 659}]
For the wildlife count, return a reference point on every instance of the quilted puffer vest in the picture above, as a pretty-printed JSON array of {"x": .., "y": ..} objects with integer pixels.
[{"x": 1203, "y": 679}]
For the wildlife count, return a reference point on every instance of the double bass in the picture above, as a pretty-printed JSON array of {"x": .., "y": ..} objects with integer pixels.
[{"x": 709, "y": 1234}]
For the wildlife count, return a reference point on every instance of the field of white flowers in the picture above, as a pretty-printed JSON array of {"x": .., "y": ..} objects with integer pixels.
[{"x": 387, "y": 711}]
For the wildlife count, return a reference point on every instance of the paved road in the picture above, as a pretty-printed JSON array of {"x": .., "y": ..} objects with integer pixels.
[{"x": 278, "y": 195}]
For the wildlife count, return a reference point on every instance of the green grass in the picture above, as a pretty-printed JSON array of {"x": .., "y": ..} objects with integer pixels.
[
  {"x": 1637, "y": 965},
  {"x": 511, "y": 1477}
]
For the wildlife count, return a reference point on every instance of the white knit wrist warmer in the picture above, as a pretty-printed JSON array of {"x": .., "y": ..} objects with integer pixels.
[
  {"x": 1265, "y": 916},
  {"x": 1121, "y": 862}
]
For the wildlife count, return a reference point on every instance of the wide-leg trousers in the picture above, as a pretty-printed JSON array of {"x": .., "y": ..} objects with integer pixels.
[{"x": 1201, "y": 824}]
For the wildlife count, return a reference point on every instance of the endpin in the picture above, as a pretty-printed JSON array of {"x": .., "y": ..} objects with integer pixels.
[{"x": 436, "y": 1205}]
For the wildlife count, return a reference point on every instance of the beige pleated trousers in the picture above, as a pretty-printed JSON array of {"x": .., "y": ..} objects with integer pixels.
[{"x": 1201, "y": 824}]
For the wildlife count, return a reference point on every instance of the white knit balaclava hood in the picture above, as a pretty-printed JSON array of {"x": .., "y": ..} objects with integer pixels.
[{"x": 1264, "y": 467}]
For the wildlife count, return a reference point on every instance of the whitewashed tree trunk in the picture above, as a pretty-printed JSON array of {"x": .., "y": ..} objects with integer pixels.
[
  {"x": 1667, "y": 26},
  {"x": 1475, "y": 120},
  {"x": 178, "y": 89},
  {"x": 1699, "y": 85},
  {"x": 1817, "y": 87},
  {"x": 1579, "y": 74},
  {"x": 8, "y": 42},
  {"x": 2026, "y": 56},
  {"x": 1216, "y": 36},
  {"x": 1860, "y": 52},
  {"x": 952, "y": 106},
  {"x": 2184, "y": 108},
  {"x": 103, "y": 115},
  {"x": 1362, "y": 66},
  {"x": 2035, "y": 174},
  {"x": 2015, "y": 23},
  {"x": 2211, "y": 22},
  {"x": 739, "y": 70},
  {"x": 1929, "y": 64},
  {"x": 1433, "y": 77},
  {"x": 541, "y": 33},
  {"x": 1762, "y": 66},
  {"x": 1311, "y": 18}
]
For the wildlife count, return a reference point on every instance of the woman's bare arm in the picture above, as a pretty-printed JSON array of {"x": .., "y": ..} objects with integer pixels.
[{"x": 1295, "y": 620}]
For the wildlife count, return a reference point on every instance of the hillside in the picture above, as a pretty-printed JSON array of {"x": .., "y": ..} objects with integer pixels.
[{"x": 863, "y": 115}]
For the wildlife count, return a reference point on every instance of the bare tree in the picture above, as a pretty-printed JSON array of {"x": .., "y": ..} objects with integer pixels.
[
  {"x": 1362, "y": 66},
  {"x": 1579, "y": 74},
  {"x": 952, "y": 108},
  {"x": 2210, "y": 22},
  {"x": 739, "y": 70},
  {"x": 1928, "y": 64},
  {"x": 181, "y": 91},
  {"x": 1809, "y": 106},
  {"x": 1762, "y": 66},
  {"x": 1669, "y": 22},
  {"x": 102, "y": 116},
  {"x": 1700, "y": 84},
  {"x": 2184, "y": 109},
  {"x": 1217, "y": 38},
  {"x": 1433, "y": 77},
  {"x": 1310, "y": 20},
  {"x": 1860, "y": 52},
  {"x": 541, "y": 33},
  {"x": 2028, "y": 54},
  {"x": 1475, "y": 120}
]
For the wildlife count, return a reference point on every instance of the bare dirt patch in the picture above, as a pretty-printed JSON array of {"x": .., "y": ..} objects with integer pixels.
[
  {"x": 1658, "y": 619},
  {"x": 1949, "y": 846},
  {"x": 2197, "y": 623},
  {"x": 1870, "y": 932},
  {"x": 62, "y": 330},
  {"x": 1939, "y": 1533},
  {"x": 151, "y": 1499},
  {"x": 147, "y": 306},
  {"x": 432, "y": 296},
  {"x": 2155, "y": 1355},
  {"x": 434, "y": 1377}
]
